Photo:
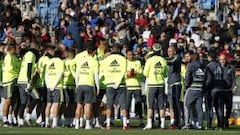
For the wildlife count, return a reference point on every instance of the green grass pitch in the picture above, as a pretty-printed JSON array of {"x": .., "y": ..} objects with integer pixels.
[{"x": 114, "y": 131}]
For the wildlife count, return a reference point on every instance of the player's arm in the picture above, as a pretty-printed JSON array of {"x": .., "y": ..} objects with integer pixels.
[
  {"x": 188, "y": 77},
  {"x": 165, "y": 69},
  {"x": 46, "y": 79},
  {"x": 73, "y": 68},
  {"x": 29, "y": 72},
  {"x": 139, "y": 69},
  {"x": 146, "y": 69},
  {"x": 96, "y": 78},
  {"x": 76, "y": 75},
  {"x": 234, "y": 86}
]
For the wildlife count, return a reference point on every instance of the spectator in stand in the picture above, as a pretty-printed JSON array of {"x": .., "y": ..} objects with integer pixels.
[
  {"x": 45, "y": 36},
  {"x": 74, "y": 28},
  {"x": 68, "y": 41},
  {"x": 151, "y": 40},
  {"x": 140, "y": 20}
]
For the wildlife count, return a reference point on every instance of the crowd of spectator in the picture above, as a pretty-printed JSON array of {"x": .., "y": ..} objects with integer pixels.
[{"x": 131, "y": 24}]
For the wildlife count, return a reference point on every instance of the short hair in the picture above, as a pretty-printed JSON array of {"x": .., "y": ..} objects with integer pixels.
[
  {"x": 71, "y": 51},
  {"x": 212, "y": 55},
  {"x": 106, "y": 50},
  {"x": 195, "y": 57},
  {"x": 91, "y": 48},
  {"x": 129, "y": 50},
  {"x": 58, "y": 53},
  {"x": 35, "y": 45},
  {"x": 10, "y": 47},
  {"x": 115, "y": 49}
]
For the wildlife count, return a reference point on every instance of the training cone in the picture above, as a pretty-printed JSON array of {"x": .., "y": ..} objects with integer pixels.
[
  {"x": 237, "y": 122},
  {"x": 231, "y": 121},
  {"x": 215, "y": 122}
]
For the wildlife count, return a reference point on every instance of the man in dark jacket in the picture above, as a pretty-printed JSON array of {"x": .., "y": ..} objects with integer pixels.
[
  {"x": 221, "y": 79},
  {"x": 174, "y": 83},
  {"x": 74, "y": 29},
  {"x": 194, "y": 83}
]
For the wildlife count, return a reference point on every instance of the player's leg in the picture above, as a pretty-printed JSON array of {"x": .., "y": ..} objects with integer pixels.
[
  {"x": 161, "y": 101},
  {"x": 138, "y": 98},
  {"x": 110, "y": 94},
  {"x": 48, "y": 107},
  {"x": 34, "y": 101},
  {"x": 150, "y": 102},
  {"x": 57, "y": 99},
  {"x": 23, "y": 98},
  {"x": 122, "y": 102},
  {"x": 65, "y": 108},
  {"x": 128, "y": 102},
  {"x": 7, "y": 95},
  {"x": 199, "y": 109},
  {"x": 88, "y": 100},
  {"x": 79, "y": 108},
  {"x": 170, "y": 101},
  {"x": 97, "y": 109},
  {"x": 229, "y": 103},
  {"x": 176, "y": 105}
]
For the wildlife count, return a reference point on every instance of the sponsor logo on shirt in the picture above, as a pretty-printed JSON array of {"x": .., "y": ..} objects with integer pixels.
[
  {"x": 158, "y": 65},
  {"x": 85, "y": 65},
  {"x": 114, "y": 63}
]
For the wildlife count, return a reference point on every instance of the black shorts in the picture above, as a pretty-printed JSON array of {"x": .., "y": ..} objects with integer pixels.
[
  {"x": 119, "y": 94},
  {"x": 55, "y": 96},
  {"x": 1, "y": 91},
  {"x": 42, "y": 93},
  {"x": 101, "y": 94},
  {"x": 85, "y": 94},
  {"x": 69, "y": 95},
  {"x": 158, "y": 94},
  {"x": 137, "y": 95}
]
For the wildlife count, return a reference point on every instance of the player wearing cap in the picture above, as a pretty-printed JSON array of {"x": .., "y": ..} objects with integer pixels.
[{"x": 155, "y": 71}]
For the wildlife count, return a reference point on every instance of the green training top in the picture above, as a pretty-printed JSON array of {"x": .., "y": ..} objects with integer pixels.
[
  {"x": 133, "y": 83},
  {"x": 85, "y": 70},
  {"x": 10, "y": 69},
  {"x": 29, "y": 57},
  {"x": 68, "y": 79},
  {"x": 155, "y": 71},
  {"x": 114, "y": 70},
  {"x": 55, "y": 68}
]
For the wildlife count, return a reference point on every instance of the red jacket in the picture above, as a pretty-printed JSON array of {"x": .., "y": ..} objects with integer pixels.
[
  {"x": 151, "y": 41},
  {"x": 141, "y": 22}
]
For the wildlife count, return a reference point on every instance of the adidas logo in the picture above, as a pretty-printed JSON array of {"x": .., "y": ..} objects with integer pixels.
[
  {"x": 85, "y": 65},
  {"x": 114, "y": 64},
  {"x": 158, "y": 65},
  {"x": 200, "y": 72},
  {"x": 52, "y": 66}
]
